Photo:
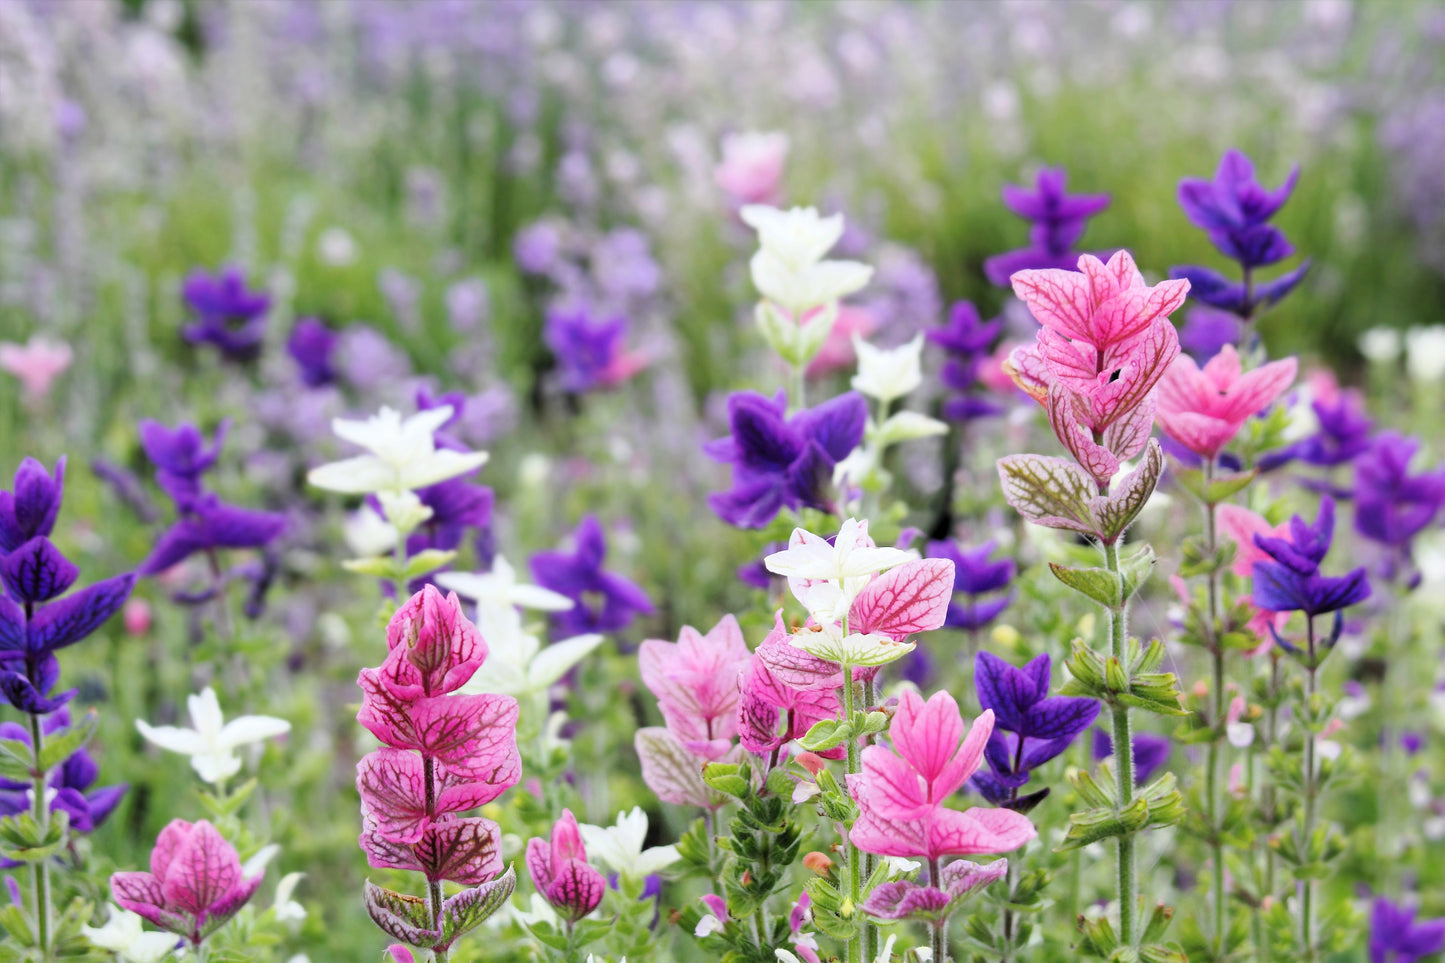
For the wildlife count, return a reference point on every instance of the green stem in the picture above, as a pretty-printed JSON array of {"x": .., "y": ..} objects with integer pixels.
[
  {"x": 1008, "y": 916},
  {"x": 1216, "y": 748},
  {"x": 939, "y": 928},
  {"x": 433, "y": 886},
  {"x": 800, "y": 385},
  {"x": 40, "y": 869},
  {"x": 1124, "y": 764},
  {"x": 1306, "y": 887},
  {"x": 870, "y": 862},
  {"x": 855, "y": 856}
]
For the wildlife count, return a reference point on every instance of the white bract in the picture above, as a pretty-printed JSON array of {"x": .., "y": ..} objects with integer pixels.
[
  {"x": 213, "y": 742},
  {"x": 367, "y": 534},
  {"x": 123, "y": 935},
  {"x": 789, "y": 269},
  {"x": 827, "y": 578},
  {"x": 888, "y": 374},
  {"x": 287, "y": 909},
  {"x": 1380, "y": 345},
  {"x": 401, "y": 454},
  {"x": 1425, "y": 354},
  {"x": 829, "y": 642},
  {"x": 620, "y": 846},
  {"x": 403, "y": 511}
]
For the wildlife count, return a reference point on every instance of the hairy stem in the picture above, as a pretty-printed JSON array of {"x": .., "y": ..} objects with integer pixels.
[
  {"x": 1216, "y": 747},
  {"x": 939, "y": 928},
  {"x": 434, "y": 886},
  {"x": 1306, "y": 887},
  {"x": 40, "y": 869},
  {"x": 1123, "y": 762}
]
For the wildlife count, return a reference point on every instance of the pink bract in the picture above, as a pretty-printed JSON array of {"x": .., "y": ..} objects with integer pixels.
[
  {"x": 696, "y": 679},
  {"x": 561, "y": 872},
  {"x": 1203, "y": 409}
]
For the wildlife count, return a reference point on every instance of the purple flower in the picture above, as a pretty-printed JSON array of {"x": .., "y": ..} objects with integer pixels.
[
  {"x": 31, "y": 508},
  {"x": 591, "y": 352},
  {"x": 1395, "y": 937},
  {"x": 1234, "y": 209},
  {"x": 181, "y": 456},
  {"x": 72, "y": 780},
  {"x": 967, "y": 340},
  {"x": 1344, "y": 433},
  {"x": 603, "y": 601},
  {"x": 1206, "y": 331},
  {"x": 1392, "y": 506},
  {"x": 1150, "y": 752},
  {"x": 975, "y": 575},
  {"x": 312, "y": 345},
  {"x": 1030, "y": 726},
  {"x": 780, "y": 461},
  {"x": 1290, "y": 580},
  {"x": 1058, "y": 220},
  {"x": 229, "y": 316},
  {"x": 537, "y": 247},
  {"x": 205, "y": 524}
]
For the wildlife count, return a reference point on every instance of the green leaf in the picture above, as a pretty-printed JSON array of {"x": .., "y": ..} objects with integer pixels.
[
  {"x": 16, "y": 760},
  {"x": 21, "y": 837},
  {"x": 824, "y": 735},
  {"x": 382, "y": 566},
  {"x": 60, "y": 746},
  {"x": 1217, "y": 489},
  {"x": 1135, "y": 568},
  {"x": 1101, "y": 585},
  {"x": 1118, "y": 511},
  {"x": 726, "y": 777},
  {"x": 426, "y": 561},
  {"x": 1049, "y": 491}
]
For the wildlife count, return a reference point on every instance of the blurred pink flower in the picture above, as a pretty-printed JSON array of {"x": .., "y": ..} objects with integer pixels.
[
  {"x": 696, "y": 682},
  {"x": 1240, "y": 525},
  {"x": 751, "y": 171},
  {"x": 1204, "y": 408},
  {"x": 136, "y": 616},
  {"x": 37, "y": 363},
  {"x": 837, "y": 353}
]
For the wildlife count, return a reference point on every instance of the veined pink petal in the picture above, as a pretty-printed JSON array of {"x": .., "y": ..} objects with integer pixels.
[
  {"x": 695, "y": 679},
  {"x": 1029, "y": 371},
  {"x": 911, "y": 598},
  {"x": 978, "y": 830},
  {"x": 463, "y": 849},
  {"x": 788, "y": 668},
  {"x": 895, "y": 789},
  {"x": 1060, "y": 300},
  {"x": 1204, "y": 409},
  {"x": 204, "y": 868},
  {"x": 1063, "y": 409},
  {"x": 927, "y": 734}
]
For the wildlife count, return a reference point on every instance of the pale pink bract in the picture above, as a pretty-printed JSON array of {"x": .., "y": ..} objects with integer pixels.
[{"x": 1204, "y": 408}]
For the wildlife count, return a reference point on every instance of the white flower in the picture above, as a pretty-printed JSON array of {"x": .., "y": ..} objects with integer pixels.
[
  {"x": 797, "y": 237},
  {"x": 402, "y": 454},
  {"x": 1380, "y": 345},
  {"x": 213, "y": 742},
  {"x": 620, "y": 846},
  {"x": 287, "y": 909},
  {"x": 403, "y": 510},
  {"x": 789, "y": 269},
  {"x": 257, "y": 864},
  {"x": 537, "y": 912},
  {"x": 1425, "y": 354},
  {"x": 499, "y": 588},
  {"x": 367, "y": 534},
  {"x": 336, "y": 247},
  {"x": 888, "y": 374},
  {"x": 827, "y": 578},
  {"x": 904, "y": 426},
  {"x": 123, "y": 935}
]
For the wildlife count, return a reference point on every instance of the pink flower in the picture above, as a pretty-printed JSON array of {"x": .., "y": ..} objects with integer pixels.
[
  {"x": 767, "y": 700},
  {"x": 1204, "y": 409},
  {"x": 136, "y": 616},
  {"x": 400, "y": 954},
  {"x": 1106, "y": 341},
  {"x": 837, "y": 352},
  {"x": 696, "y": 681},
  {"x": 37, "y": 363},
  {"x": 1240, "y": 525},
  {"x": 901, "y": 794},
  {"x": 561, "y": 873},
  {"x": 751, "y": 171},
  {"x": 195, "y": 883}
]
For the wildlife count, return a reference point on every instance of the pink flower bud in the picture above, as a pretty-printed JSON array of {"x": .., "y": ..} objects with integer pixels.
[{"x": 136, "y": 617}]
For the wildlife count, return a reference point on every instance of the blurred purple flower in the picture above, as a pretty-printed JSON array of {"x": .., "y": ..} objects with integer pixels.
[
  {"x": 1150, "y": 752},
  {"x": 205, "y": 524},
  {"x": 1059, "y": 220},
  {"x": 229, "y": 316},
  {"x": 603, "y": 601},
  {"x": 1344, "y": 434},
  {"x": 537, "y": 247},
  {"x": 967, "y": 341},
  {"x": 312, "y": 345},
  {"x": 591, "y": 352},
  {"x": 781, "y": 461},
  {"x": 180, "y": 456},
  {"x": 1392, "y": 506},
  {"x": 1395, "y": 936},
  {"x": 1290, "y": 580},
  {"x": 974, "y": 575},
  {"x": 1207, "y": 330}
]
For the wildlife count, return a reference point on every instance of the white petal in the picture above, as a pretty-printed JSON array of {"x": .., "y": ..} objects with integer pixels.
[
  {"x": 185, "y": 741},
  {"x": 205, "y": 711},
  {"x": 248, "y": 729},
  {"x": 540, "y": 599},
  {"x": 216, "y": 767},
  {"x": 553, "y": 662},
  {"x": 440, "y": 466},
  {"x": 657, "y": 858},
  {"x": 257, "y": 864},
  {"x": 355, "y": 476}
]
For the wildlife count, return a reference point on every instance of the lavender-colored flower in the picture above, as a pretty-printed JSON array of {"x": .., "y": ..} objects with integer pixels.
[
  {"x": 973, "y": 576},
  {"x": 368, "y": 361},
  {"x": 206, "y": 524},
  {"x": 1235, "y": 210},
  {"x": 537, "y": 247},
  {"x": 36, "y": 617},
  {"x": 591, "y": 352},
  {"x": 1059, "y": 220},
  {"x": 1151, "y": 751},
  {"x": 180, "y": 456},
  {"x": 1392, "y": 506},
  {"x": 1343, "y": 435},
  {"x": 780, "y": 461},
  {"x": 313, "y": 345},
  {"x": 1206, "y": 331},
  {"x": 967, "y": 340},
  {"x": 603, "y": 601},
  {"x": 1395, "y": 936},
  {"x": 229, "y": 316},
  {"x": 1290, "y": 579},
  {"x": 71, "y": 781},
  {"x": 1030, "y": 726}
]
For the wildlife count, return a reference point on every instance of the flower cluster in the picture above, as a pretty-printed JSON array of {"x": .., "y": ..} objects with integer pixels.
[
  {"x": 1290, "y": 580},
  {"x": 1058, "y": 219},
  {"x": 1235, "y": 210},
  {"x": 602, "y": 601},
  {"x": 228, "y": 315},
  {"x": 967, "y": 341},
  {"x": 444, "y": 753},
  {"x": 560, "y": 871},
  {"x": 979, "y": 584},
  {"x": 1392, "y": 505},
  {"x": 591, "y": 352}
]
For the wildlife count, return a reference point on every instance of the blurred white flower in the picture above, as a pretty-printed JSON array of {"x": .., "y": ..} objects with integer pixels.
[
  {"x": 1380, "y": 345},
  {"x": 287, "y": 909},
  {"x": 789, "y": 269},
  {"x": 537, "y": 912},
  {"x": 367, "y": 534},
  {"x": 212, "y": 744},
  {"x": 401, "y": 454},
  {"x": 123, "y": 935},
  {"x": 499, "y": 589},
  {"x": 620, "y": 846},
  {"x": 336, "y": 247},
  {"x": 1425, "y": 354},
  {"x": 403, "y": 511},
  {"x": 888, "y": 374}
]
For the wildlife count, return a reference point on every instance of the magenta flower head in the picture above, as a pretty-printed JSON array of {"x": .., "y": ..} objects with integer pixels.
[
  {"x": 1204, "y": 408},
  {"x": 766, "y": 698},
  {"x": 561, "y": 873},
  {"x": 1059, "y": 220},
  {"x": 229, "y": 316},
  {"x": 604, "y": 601},
  {"x": 195, "y": 883},
  {"x": 901, "y": 793},
  {"x": 696, "y": 683},
  {"x": 779, "y": 461}
]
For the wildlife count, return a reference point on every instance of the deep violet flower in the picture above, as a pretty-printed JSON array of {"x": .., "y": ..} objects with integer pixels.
[
  {"x": 1059, "y": 220},
  {"x": 1392, "y": 506},
  {"x": 591, "y": 352},
  {"x": 1030, "y": 726},
  {"x": 780, "y": 461},
  {"x": 195, "y": 883},
  {"x": 1395, "y": 936},
  {"x": 229, "y": 316},
  {"x": 36, "y": 617},
  {"x": 604, "y": 601},
  {"x": 312, "y": 346},
  {"x": 1343, "y": 434},
  {"x": 1151, "y": 751},
  {"x": 1290, "y": 579},
  {"x": 974, "y": 575},
  {"x": 967, "y": 341},
  {"x": 1235, "y": 210},
  {"x": 1206, "y": 330},
  {"x": 180, "y": 455}
]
